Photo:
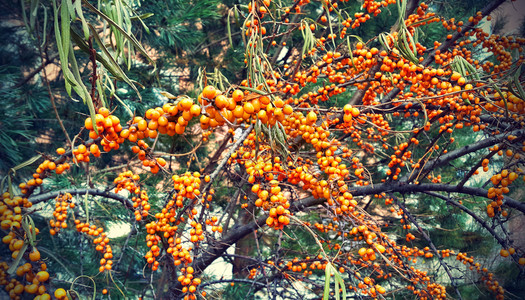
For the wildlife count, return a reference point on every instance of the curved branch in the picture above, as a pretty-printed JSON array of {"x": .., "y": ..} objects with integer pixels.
[
  {"x": 491, "y": 141},
  {"x": 217, "y": 248},
  {"x": 36, "y": 71},
  {"x": 473, "y": 215},
  {"x": 94, "y": 192},
  {"x": 407, "y": 188},
  {"x": 240, "y": 280},
  {"x": 413, "y": 220},
  {"x": 223, "y": 162},
  {"x": 428, "y": 187}
]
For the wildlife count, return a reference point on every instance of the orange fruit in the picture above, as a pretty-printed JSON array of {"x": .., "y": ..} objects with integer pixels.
[
  {"x": 195, "y": 110},
  {"x": 248, "y": 108},
  {"x": 221, "y": 101},
  {"x": 34, "y": 255},
  {"x": 311, "y": 117},
  {"x": 42, "y": 276},
  {"x": 60, "y": 293},
  {"x": 209, "y": 92},
  {"x": 237, "y": 95}
]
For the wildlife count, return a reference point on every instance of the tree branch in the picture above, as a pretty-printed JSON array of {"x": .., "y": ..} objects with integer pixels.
[
  {"x": 407, "y": 188},
  {"x": 35, "y": 71},
  {"x": 94, "y": 192},
  {"x": 490, "y": 141},
  {"x": 413, "y": 220},
  {"x": 473, "y": 215}
]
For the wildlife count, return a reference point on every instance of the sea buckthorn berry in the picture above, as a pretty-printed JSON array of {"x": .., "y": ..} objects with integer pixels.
[
  {"x": 60, "y": 293},
  {"x": 209, "y": 92}
]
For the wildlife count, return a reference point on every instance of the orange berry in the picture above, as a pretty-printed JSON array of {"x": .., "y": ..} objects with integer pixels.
[
  {"x": 60, "y": 293},
  {"x": 287, "y": 109},
  {"x": 221, "y": 102},
  {"x": 195, "y": 110},
  {"x": 248, "y": 108},
  {"x": 104, "y": 112},
  {"x": 209, "y": 92},
  {"x": 237, "y": 95},
  {"x": 186, "y": 104},
  {"x": 34, "y": 255},
  {"x": 455, "y": 76},
  {"x": 504, "y": 253},
  {"x": 42, "y": 276},
  {"x": 88, "y": 123},
  {"x": 311, "y": 117}
]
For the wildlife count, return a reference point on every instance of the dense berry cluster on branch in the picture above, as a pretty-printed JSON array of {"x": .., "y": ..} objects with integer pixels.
[{"x": 294, "y": 156}]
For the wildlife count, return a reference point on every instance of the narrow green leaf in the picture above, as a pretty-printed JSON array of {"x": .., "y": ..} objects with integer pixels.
[
  {"x": 44, "y": 31},
  {"x": 496, "y": 87},
  {"x": 407, "y": 49},
  {"x": 339, "y": 279},
  {"x": 33, "y": 228},
  {"x": 413, "y": 40},
  {"x": 101, "y": 93},
  {"x": 26, "y": 163},
  {"x": 124, "y": 104},
  {"x": 350, "y": 52},
  {"x": 70, "y": 8},
  {"x": 81, "y": 89},
  {"x": 344, "y": 288},
  {"x": 85, "y": 48},
  {"x": 24, "y": 16},
  {"x": 336, "y": 287},
  {"x": 117, "y": 17},
  {"x": 253, "y": 90},
  {"x": 114, "y": 66},
  {"x": 85, "y": 29},
  {"x": 472, "y": 70},
  {"x": 68, "y": 87},
  {"x": 384, "y": 41},
  {"x": 86, "y": 205},
  {"x": 10, "y": 185},
  {"x": 142, "y": 17},
  {"x": 229, "y": 30},
  {"x": 518, "y": 83},
  {"x": 65, "y": 25},
  {"x": 3, "y": 182},
  {"x": 236, "y": 14},
  {"x": 329, "y": 23},
  {"x": 167, "y": 95},
  {"x": 461, "y": 67},
  {"x": 326, "y": 294},
  {"x": 33, "y": 13},
  {"x": 27, "y": 229},
  {"x": 17, "y": 260},
  {"x": 131, "y": 38},
  {"x": 68, "y": 76}
]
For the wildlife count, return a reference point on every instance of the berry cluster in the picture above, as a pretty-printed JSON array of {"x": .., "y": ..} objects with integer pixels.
[
  {"x": 62, "y": 204},
  {"x": 129, "y": 181}
]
